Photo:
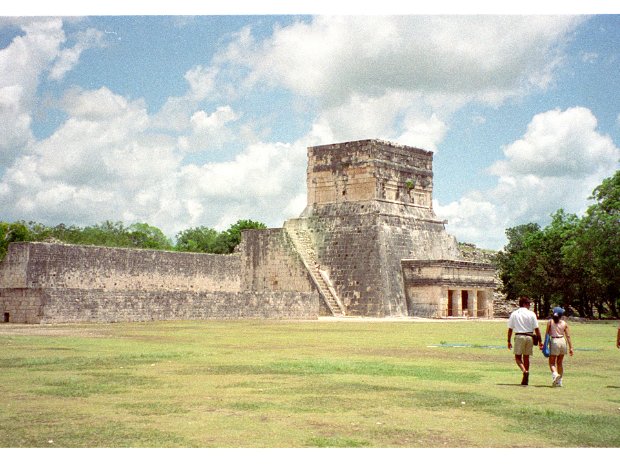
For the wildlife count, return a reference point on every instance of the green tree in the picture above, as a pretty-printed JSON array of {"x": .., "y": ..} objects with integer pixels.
[
  {"x": 231, "y": 238},
  {"x": 67, "y": 234},
  {"x": 144, "y": 236},
  {"x": 595, "y": 251},
  {"x": 531, "y": 263},
  {"x": 199, "y": 239},
  {"x": 572, "y": 262},
  {"x": 511, "y": 261},
  {"x": 12, "y": 232},
  {"x": 107, "y": 234},
  {"x": 561, "y": 281}
]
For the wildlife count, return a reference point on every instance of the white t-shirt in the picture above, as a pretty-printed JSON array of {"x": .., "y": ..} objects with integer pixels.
[{"x": 523, "y": 320}]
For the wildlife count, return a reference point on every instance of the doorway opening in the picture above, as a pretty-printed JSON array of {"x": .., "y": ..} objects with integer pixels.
[{"x": 464, "y": 300}]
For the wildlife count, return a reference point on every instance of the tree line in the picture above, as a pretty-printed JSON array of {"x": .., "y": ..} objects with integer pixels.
[
  {"x": 574, "y": 262},
  {"x": 138, "y": 235}
]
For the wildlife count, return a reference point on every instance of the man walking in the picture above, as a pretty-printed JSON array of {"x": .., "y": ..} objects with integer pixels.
[{"x": 525, "y": 325}]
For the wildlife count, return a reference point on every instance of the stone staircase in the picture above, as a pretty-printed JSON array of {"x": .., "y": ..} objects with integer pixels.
[{"x": 303, "y": 243}]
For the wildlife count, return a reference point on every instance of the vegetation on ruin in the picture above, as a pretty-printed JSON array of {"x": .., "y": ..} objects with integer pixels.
[
  {"x": 573, "y": 262},
  {"x": 324, "y": 383},
  {"x": 138, "y": 235}
]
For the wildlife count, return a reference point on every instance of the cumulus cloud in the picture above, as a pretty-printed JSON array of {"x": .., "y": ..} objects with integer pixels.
[
  {"x": 395, "y": 78},
  {"x": 176, "y": 113},
  {"x": 105, "y": 162},
  {"x": 333, "y": 57},
  {"x": 93, "y": 165},
  {"x": 111, "y": 159},
  {"x": 22, "y": 63},
  {"x": 208, "y": 131},
  {"x": 262, "y": 180},
  {"x": 557, "y": 163},
  {"x": 475, "y": 218},
  {"x": 558, "y": 144},
  {"x": 369, "y": 73},
  {"x": 69, "y": 57}
]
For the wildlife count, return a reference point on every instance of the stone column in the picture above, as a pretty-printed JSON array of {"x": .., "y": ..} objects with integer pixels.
[
  {"x": 456, "y": 303},
  {"x": 483, "y": 298},
  {"x": 473, "y": 302}
]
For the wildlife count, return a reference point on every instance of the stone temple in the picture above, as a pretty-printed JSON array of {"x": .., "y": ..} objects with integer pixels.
[{"x": 367, "y": 244}]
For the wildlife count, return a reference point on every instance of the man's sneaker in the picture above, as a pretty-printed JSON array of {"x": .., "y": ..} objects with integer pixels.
[
  {"x": 555, "y": 376},
  {"x": 524, "y": 380},
  {"x": 559, "y": 381}
]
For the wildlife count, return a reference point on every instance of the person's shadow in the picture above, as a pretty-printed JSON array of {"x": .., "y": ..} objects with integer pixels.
[{"x": 529, "y": 385}]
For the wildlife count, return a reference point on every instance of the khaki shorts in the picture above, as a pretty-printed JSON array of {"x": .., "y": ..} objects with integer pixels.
[
  {"x": 557, "y": 346},
  {"x": 523, "y": 344}
]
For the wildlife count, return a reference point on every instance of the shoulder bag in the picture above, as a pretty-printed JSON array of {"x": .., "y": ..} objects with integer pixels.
[{"x": 546, "y": 350}]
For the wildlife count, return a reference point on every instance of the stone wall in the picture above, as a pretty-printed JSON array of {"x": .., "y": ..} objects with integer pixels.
[
  {"x": 43, "y": 265},
  {"x": 75, "y": 305},
  {"x": 13, "y": 267},
  {"x": 79, "y": 305},
  {"x": 21, "y": 305},
  {"x": 270, "y": 263},
  {"x": 56, "y": 283}
]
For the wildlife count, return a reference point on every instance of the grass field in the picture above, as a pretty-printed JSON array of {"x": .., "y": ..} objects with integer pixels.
[{"x": 312, "y": 384}]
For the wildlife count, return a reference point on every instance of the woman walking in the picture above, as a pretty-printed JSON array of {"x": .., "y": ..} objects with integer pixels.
[{"x": 559, "y": 334}]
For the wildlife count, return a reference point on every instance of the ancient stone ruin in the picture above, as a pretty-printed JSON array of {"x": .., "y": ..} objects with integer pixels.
[{"x": 367, "y": 244}]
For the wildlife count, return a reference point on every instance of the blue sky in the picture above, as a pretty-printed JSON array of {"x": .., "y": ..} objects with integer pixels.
[{"x": 181, "y": 121}]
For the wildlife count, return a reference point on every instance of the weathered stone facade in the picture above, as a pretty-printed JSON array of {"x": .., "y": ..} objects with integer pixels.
[
  {"x": 447, "y": 288},
  {"x": 370, "y": 207},
  {"x": 56, "y": 283},
  {"x": 367, "y": 244}
]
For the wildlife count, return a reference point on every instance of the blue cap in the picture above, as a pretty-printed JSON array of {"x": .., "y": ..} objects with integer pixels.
[{"x": 559, "y": 311}]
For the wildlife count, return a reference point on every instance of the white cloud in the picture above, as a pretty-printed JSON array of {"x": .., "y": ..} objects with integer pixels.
[
  {"x": 263, "y": 180},
  {"x": 201, "y": 82},
  {"x": 475, "y": 218},
  {"x": 401, "y": 77},
  {"x": 208, "y": 131},
  {"x": 175, "y": 114},
  {"x": 14, "y": 122},
  {"x": 69, "y": 57},
  {"x": 402, "y": 117},
  {"x": 21, "y": 64},
  {"x": 92, "y": 166},
  {"x": 394, "y": 78},
  {"x": 556, "y": 164},
  {"x": 105, "y": 162},
  {"x": 424, "y": 133},
  {"x": 558, "y": 144},
  {"x": 333, "y": 57}
]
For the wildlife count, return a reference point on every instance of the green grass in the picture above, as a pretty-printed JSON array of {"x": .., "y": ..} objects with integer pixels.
[{"x": 317, "y": 384}]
